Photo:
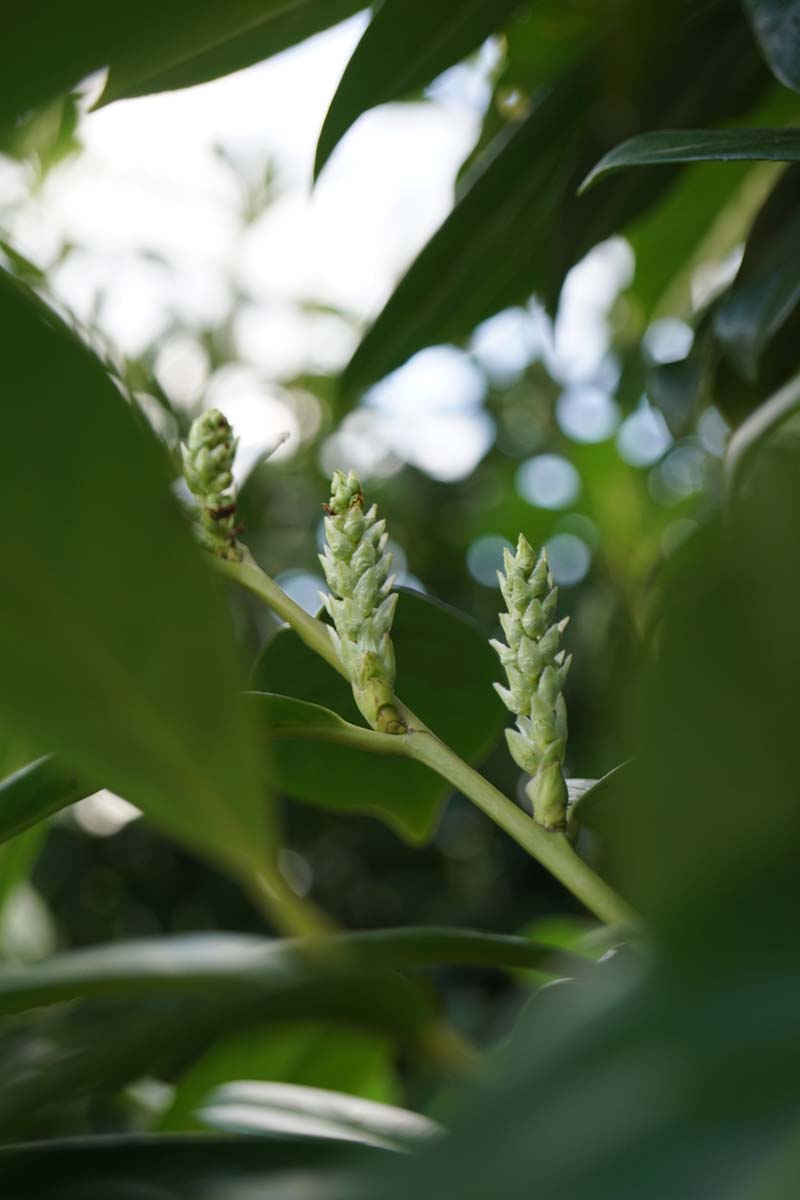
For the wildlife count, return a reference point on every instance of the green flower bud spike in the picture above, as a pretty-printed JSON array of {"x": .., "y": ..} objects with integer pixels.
[
  {"x": 536, "y": 670},
  {"x": 208, "y": 469},
  {"x": 362, "y": 604}
]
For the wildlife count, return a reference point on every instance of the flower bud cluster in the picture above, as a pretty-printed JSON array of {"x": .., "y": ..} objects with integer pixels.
[
  {"x": 208, "y": 469},
  {"x": 357, "y": 568},
  {"x": 536, "y": 669}
]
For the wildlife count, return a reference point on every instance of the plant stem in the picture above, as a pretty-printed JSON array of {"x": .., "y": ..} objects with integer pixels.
[
  {"x": 552, "y": 850},
  {"x": 292, "y": 914}
]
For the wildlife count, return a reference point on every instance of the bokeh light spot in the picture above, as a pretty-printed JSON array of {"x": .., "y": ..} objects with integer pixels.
[
  {"x": 643, "y": 438},
  {"x": 548, "y": 481},
  {"x": 485, "y": 558},
  {"x": 587, "y": 414},
  {"x": 569, "y": 558}
]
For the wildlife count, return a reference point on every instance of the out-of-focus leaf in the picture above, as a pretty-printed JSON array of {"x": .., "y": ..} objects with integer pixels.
[
  {"x": 698, "y": 145},
  {"x": 518, "y": 225},
  {"x": 152, "y": 1007},
  {"x": 406, "y": 45},
  {"x": 346, "y": 1060},
  {"x": 203, "y": 1166},
  {"x": 777, "y": 28},
  {"x": 224, "y": 964},
  {"x": 115, "y": 644},
  {"x": 287, "y": 1108},
  {"x": 683, "y": 1081},
  {"x": 766, "y": 289},
  {"x": 282, "y": 28},
  {"x": 37, "y": 791},
  {"x": 445, "y": 670},
  {"x": 56, "y": 1056}
]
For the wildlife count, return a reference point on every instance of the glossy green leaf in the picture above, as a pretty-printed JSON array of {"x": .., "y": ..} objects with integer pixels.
[
  {"x": 203, "y": 1166},
  {"x": 406, "y": 45},
  {"x": 445, "y": 671},
  {"x": 288, "y": 1108},
  {"x": 355, "y": 1061},
  {"x": 115, "y": 644},
  {"x": 37, "y": 791},
  {"x": 776, "y": 24},
  {"x": 698, "y": 145},
  {"x": 766, "y": 289},
  {"x": 280, "y": 29}
]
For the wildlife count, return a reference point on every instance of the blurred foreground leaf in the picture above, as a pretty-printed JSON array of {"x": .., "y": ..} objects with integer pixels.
[
  {"x": 115, "y": 645},
  {"x": 205, "y": 1167}
]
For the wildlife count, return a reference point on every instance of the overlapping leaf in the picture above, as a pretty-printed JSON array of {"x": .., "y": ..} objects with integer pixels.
[
  {"x": 406, "y": 44},
  {"x": 518, "y": 225},
  {"x": 445, "y": 670}
]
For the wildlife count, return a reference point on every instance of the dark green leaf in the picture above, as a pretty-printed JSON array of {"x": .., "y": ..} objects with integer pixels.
[
  {"x": 518, "y": 225},
  {"x": 205, "y": 1167},
  {"x": 445, "y": 670},
  {"x": 406, "y": 45},
  {"x": 288, "y": 1108},
  {"x": 281, "y": 29},
  {"x": 777, "y": 28},
  {"x": 766, "y": 289},
  {"x": 36, "y": 792},
  {"x": 115, "y": 644},
  {"x": 698, "y": 145},
  {"x": 138, "y": 43}
]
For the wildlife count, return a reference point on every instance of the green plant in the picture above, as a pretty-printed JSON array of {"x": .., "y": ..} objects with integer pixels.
[{"x": 211, "y": 1064}]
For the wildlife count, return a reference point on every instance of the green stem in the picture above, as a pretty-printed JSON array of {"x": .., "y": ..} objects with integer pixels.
[
  {"x": 552, "y": 850},
  {"x": 292, "y": 914}
]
